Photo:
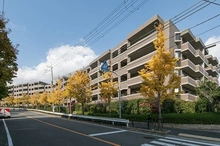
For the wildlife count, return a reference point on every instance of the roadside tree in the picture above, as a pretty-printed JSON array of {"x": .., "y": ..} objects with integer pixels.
[
  {"x": 78, "y": 87},
  {"x": 25, "y": 100},
  {"x": 43, "y": 100},
  {"x": 108, "y": 88},
  {"x": 159, "y": 77},
  {"x": 8, "y": 52},
  {"x": 211, "y": 91},
  {"x": 33, "y": 100},
  {"x": 9, "y": 100}
]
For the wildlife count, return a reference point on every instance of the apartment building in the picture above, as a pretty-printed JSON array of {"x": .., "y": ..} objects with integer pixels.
[
  {"x": 35, "y": 87},
  {"x": 28, "y": 88},
  {"x": 130, "y": 56}
]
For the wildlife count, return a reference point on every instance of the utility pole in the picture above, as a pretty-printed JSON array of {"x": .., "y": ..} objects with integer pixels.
[
  {"x": 3, "y": 7},
  {"x": 51, "y": 69}
]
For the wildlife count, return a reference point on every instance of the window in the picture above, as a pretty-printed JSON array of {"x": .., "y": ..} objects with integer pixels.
[{"x": 177, "y": 37}]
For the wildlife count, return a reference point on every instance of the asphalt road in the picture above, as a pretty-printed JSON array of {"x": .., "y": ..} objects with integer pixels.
[{"x": 28, "y": 128}]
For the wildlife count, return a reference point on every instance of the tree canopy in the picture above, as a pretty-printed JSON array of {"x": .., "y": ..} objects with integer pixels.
[
  {"x": 8, "y": 57},
  {"x": 78, "y": 87},
  {"x": 159, "y": 77},
  {"x": 209, "y": 90}
]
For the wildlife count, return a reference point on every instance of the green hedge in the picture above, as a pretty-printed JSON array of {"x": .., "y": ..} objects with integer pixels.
[
  {"x": 192, "y": 118},
  {"x": 184, "y": 118}
]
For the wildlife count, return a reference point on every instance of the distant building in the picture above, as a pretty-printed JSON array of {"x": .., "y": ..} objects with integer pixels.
[{"x": 28, "y": 88}]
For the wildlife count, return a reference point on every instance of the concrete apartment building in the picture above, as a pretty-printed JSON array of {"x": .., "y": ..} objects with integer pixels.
[
  {"x": 31, "y": 88},
  {"x": 28, "y": 88},
  {"x": 130, "y": 56}
]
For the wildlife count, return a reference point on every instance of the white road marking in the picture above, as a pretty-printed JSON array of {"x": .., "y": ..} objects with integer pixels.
[
  {"x": 162, "y": 143},
  {"x": 200, "y": 137},
  {"x": 196, "y": 142},
  {"x": 146, "y": 144},
  {"x": 177, "y": 142},
  {"x": 106, "y": 133},
  {"x": 10, "y": 143}
]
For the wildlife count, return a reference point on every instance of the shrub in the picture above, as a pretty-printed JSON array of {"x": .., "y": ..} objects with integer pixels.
[
  {"x": 168, "y": 106},
  {"x": 202, "y": 105}
]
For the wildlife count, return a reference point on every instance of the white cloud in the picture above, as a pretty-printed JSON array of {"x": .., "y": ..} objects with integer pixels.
[
  {"x": 215, "y": 51},
  {"x": 64, "y": 59}
]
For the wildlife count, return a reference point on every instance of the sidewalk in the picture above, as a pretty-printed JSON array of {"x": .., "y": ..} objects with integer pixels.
[{"x": 204, "y": 132}]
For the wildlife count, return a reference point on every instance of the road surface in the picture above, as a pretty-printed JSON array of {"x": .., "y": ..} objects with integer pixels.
[{"x": 28, "y": 128}]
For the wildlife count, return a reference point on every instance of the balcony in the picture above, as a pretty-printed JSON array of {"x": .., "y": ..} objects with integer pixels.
[
  {"x": 195, "y": 55},
  {"x": 212, "y": 60},
  {"x": 188, "y": 82},
  {"x": 140, "y": 61},
  {"x": 188, "y": 97},
  {"x": 212, "y": 70},
  {"x": 213, "y": 79},
  {"x": 134, "y": 80},
  {"x": 192, "y": 69}
]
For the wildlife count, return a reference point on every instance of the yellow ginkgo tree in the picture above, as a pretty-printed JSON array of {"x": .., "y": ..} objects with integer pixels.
[
  {"x": 9, "y": 100},
  {"x": 78, "y": 87},
  {"x": 34, "y": 99},
  {"x": 159, "y": 77},
  {"x": 43, "y": 100},
  {"x": 25, "y": 99},
  {"x": 108, "y": 88}
]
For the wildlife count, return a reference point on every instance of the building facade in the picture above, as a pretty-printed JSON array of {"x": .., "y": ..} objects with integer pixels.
[
  {"x": 126, "y": 59},
  {"x": 28, "y": 88}
]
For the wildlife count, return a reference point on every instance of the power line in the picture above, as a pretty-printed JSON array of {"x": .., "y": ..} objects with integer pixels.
[
  {"x": 99, "y": 36},
  {"x": 209, "y": 29},
  {"x": 180, "y": 14},
  {"x": 77, "y": 51},
  {"x": 212, "y": 2},
  {"x": 205, "y": 21}
]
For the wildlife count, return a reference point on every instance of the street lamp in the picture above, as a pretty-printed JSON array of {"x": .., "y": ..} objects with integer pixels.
[
  {"x": 119, "y": 93},
  {"x": 104, "y": 68}
]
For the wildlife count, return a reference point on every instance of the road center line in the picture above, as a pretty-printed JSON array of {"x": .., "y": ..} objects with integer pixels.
[
  {"x": 79, "y": 133},
  {"x": 105, "y": 133},
  {"x": 10, "y": 143}
]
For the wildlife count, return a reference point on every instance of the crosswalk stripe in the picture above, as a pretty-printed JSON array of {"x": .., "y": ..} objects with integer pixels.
[
  {"x": 162, "y": 143},
  {"x": 177, "y": 142},
  {"x": 146, "y": 144},
  {"x": 199, "y": 137},
  {"x": 171, "y": 141},
  {"x": 195, "y": 142},
  {"x": 105, "y": 133}
]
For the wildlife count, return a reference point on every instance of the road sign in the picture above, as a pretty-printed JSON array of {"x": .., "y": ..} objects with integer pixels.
[{"x": 104, "y": 67}]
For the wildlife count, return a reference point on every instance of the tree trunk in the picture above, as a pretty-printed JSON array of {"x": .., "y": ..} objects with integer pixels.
[
  {"x": 82, "y": 108},
  {"x": 109, "y": 106},
  {"x": 70, "y": 110},
  {"x": 159, "y": 113}
]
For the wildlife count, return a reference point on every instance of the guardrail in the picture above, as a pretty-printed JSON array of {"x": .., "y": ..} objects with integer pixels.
[{"x": 92, "y": 118}]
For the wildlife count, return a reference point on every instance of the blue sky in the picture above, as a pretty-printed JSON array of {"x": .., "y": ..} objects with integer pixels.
[{"x": 46, "y": 29}]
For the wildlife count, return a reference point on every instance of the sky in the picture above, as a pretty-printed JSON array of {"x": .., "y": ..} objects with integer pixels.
[{"x": 66, "y": 35}]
